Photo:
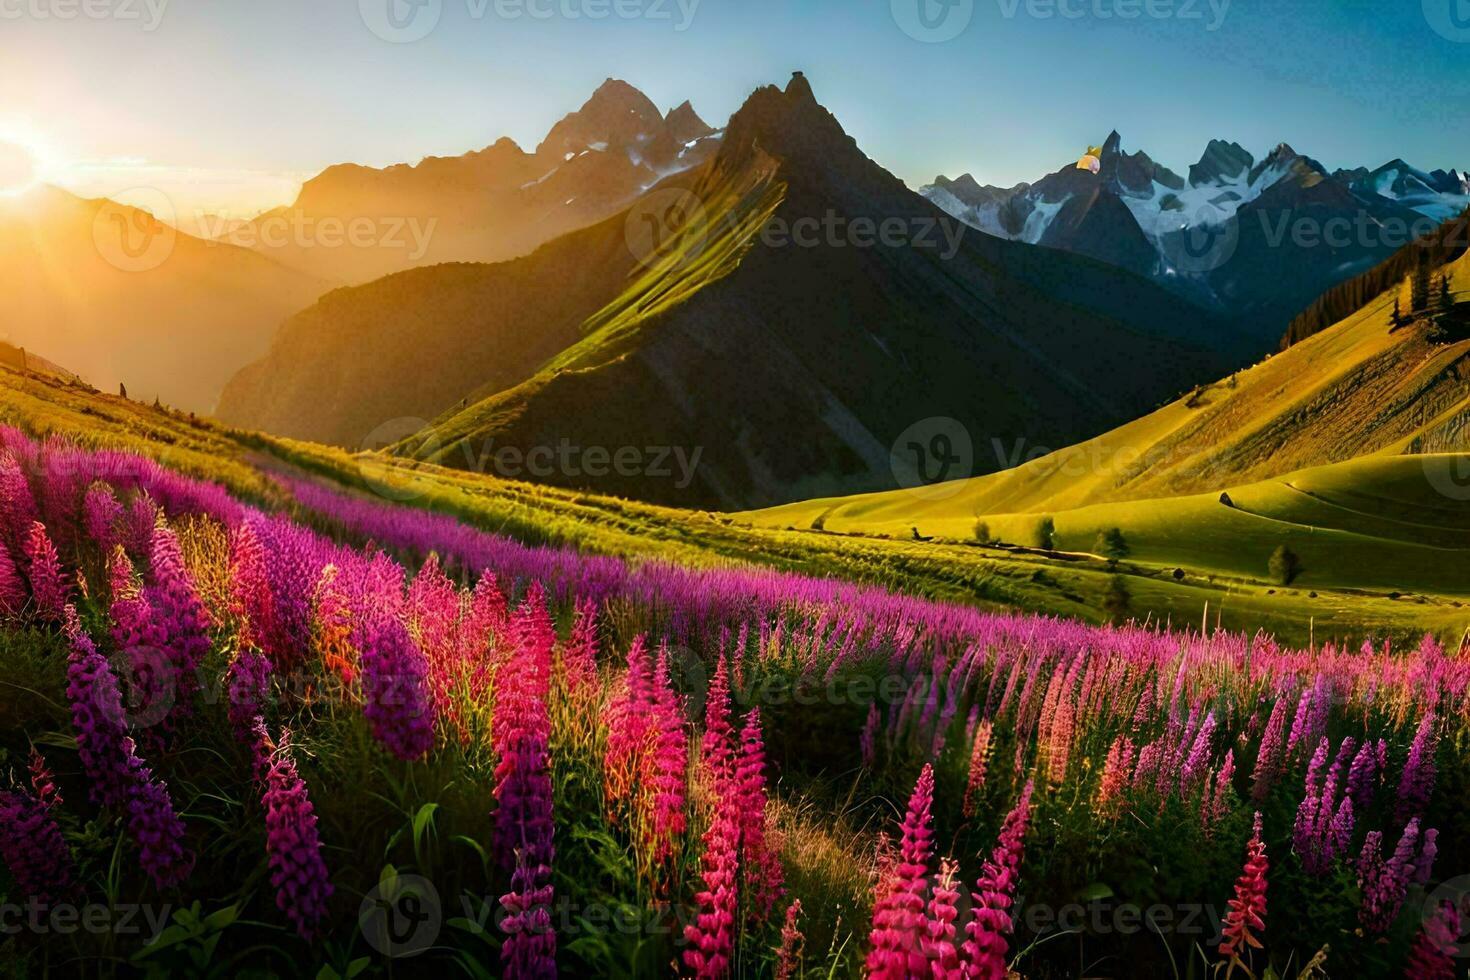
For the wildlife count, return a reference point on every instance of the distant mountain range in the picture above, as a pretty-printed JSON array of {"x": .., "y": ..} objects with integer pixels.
[
  {"x": 1221, "y": 236},
  {"x": 790, "y": 363},
  {"x": 486, "y": 206},
  {"x": 120, "y": 298}
]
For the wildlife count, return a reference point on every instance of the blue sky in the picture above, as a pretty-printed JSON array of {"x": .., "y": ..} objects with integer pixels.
[{"x": 226, "y": 95}]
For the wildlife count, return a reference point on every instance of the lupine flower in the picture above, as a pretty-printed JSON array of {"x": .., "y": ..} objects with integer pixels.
[
  {"x": 12, "y": 588},
  {"x": 761, "y": 863},
  {"x": 717, "y": 753},
  {"x": 712, "y": 934},
  {"x": 1245, "y": 915},
  {"x": 1385, "y": 883},
  {"x": 629, "y": 727},
  {"x": 293, "y": 845},
  {"x": 670, "y": 759},
  {"x": 523, "y": 817},
  {"x": 898, "y": 911},
  {"x": 1269, "y": 758},
  {"x": 43, "y": 568},
  {"x": 1115, "y": 777},
  {"x": 1416, "y": 785},
  {"x": 156, "y": 827},
  {"x": 986, "y": 946},
  {"x": 331, "y": 627},
  {"x": 139, "y": 637},
  {"x": 179, "y": 613},
  {"x": 17, "y": 503},
  {"x": 250, "y": 588},
  {"x": 397, "y": 701},
  {"x": 34, "y": 850},
  {"x": 248, "y": 685},
  {"x": 979, "y": 759},
  {"x": 143, "y": 517},
  {"x": 1437, "y": 946},
  {"x": 97, "y": 718},
  {"x": 939, "y": 927},
  {"x": 579, "y": 657},
  {"x": 102, "y": 516},
  {"x": 1216, "y": 802},
  {"x": 1324, "y": 825},
  {"x": 1363, "y": 774},
  {"x": 788, "y": 954}
]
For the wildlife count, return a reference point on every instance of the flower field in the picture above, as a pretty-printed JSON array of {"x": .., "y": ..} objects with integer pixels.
[{"x": 352, "y": 738}]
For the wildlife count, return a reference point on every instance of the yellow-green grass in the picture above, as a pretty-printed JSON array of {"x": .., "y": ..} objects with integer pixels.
[
  {"x": 960, "y": 570},
  {"x": 1380, "y": 523},
  {"x": 1354, "y": 390}
]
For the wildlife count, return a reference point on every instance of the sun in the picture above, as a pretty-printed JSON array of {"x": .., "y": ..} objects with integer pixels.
[{"x": 23, "y": 162}]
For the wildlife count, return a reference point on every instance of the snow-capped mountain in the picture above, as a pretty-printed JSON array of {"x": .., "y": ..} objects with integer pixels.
[
  {"x": 1224, "y": 234},
  {"x": 491, "y": 204}
]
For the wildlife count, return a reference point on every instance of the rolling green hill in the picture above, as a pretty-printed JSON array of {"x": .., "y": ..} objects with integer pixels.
[
  {"x": 1357, "y": 389},
  {"x": 1235, "y": 595},
  {"x": 791, "y": 364}
]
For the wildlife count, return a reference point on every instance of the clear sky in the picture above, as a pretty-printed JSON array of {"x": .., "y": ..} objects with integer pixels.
[{"x": 230, "y": 103}]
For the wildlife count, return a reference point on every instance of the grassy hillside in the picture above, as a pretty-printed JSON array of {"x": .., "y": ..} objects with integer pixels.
[
  {"x": 118, "y": 297},
  {"x": 1236, "y": 596},
  {"x": 793, "y": 363},
  {"x": 1356, "y": 389}
]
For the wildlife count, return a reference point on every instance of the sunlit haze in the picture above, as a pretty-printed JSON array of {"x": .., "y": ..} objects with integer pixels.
[{"x": 228, "y": 108}]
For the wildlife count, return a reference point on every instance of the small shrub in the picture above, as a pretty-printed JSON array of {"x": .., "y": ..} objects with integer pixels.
[
  {"x": 1284, "y": 566},
  {"x": 1111, "y": 545},
  {"x": 1118, "y": 601},
  {"x": 1046, "y": 534}
]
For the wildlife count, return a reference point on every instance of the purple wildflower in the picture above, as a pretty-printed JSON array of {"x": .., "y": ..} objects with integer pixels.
[
  {"x": 34, "y": 850},
  {"x": 293, "y": 845}
]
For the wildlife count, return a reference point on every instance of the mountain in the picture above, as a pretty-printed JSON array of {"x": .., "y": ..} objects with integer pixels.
[
  {"x": 352, "y": 224},
  {"x": 1368, "y": 402},
  {"x": 1221, "y": 236},
  {"x": 788, "y": 362},
  {"x": 119, "y": 297}
]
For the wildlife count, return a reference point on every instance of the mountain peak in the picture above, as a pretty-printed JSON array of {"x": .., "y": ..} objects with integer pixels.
[
  {"x": 684, "y": 124},
  {"x": 800, "y": 88},
  {"x": 1219, "y": 162},
  {"x": 617, "y": 113},
  {"x": 1113, "y": 145}
]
